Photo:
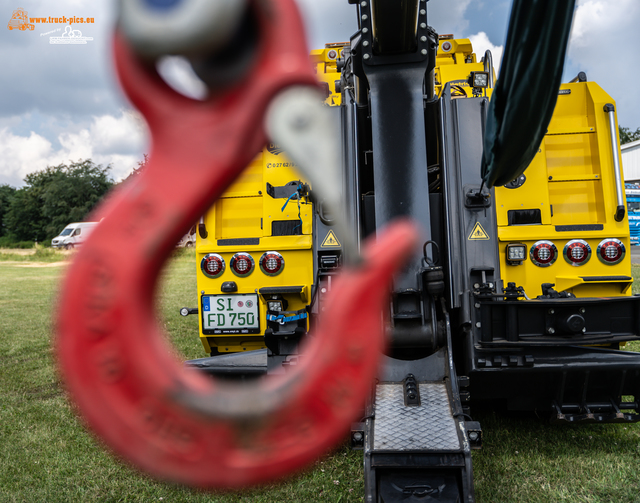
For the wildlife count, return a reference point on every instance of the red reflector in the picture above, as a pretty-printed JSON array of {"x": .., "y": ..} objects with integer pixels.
[
  {"x": 611, "y": 251},
  {"x": 271, "y": 263},
  {"x": 543, "y": 253},
  {"x": 212, "y": 265},
  {"x": 577, "y": 252},
  {"x": 242, "y": 264}
]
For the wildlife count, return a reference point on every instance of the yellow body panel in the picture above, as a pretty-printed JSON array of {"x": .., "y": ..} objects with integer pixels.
[
  {"x": 455, "y": 65},
  {"x": 247, "y": 211},
  {"x": 324, "y": 61},
  {"x": 572, "y": 182}
]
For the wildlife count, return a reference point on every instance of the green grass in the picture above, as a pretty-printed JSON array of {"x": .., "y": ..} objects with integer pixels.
[
  {"x": 45, "y": 453},
  {"x": 47, "y": 456},
  {"x": 35, "y": 254}
]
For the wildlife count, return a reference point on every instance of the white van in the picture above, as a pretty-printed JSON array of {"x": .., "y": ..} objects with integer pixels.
[{"x": 73, "y": 235}]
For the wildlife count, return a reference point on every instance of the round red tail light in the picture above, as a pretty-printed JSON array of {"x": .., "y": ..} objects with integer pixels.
[
  {"x": 543, "y": 253},
  {"x": 271, "y": 263},
  {"x": 212, "y": 265},
  {"x": 577, "y": 252},
  {"x": 611, "y": 251},
  {"x": 242, "y": 264}
]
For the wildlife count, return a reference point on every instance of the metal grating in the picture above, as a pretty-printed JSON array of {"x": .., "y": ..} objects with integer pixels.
[{"x": 429, "y": 427}]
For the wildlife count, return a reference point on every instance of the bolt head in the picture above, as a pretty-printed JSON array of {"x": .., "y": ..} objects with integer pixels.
[
  {"x": 473, "y": 436},
  {"x": 366, "y": 56}
]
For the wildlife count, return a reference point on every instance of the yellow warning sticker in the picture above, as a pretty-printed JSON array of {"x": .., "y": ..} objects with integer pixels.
[
  {"x": 478, "y": 233},
  {"x": 330, "y": 240}
]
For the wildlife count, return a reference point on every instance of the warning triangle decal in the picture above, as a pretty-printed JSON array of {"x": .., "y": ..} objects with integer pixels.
[
  {"x": 478, "y": 233},
  {"x": 330, "y": 240}
]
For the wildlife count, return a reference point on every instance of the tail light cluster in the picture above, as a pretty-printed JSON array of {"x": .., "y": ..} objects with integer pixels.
[
  {"x": 576, "y": 252},
  {"x": 543, "y": 253},
  {"x": 242, "y": 264},
  {"x": 610, "y": 251},
  {"x": 271, "y": 263}
]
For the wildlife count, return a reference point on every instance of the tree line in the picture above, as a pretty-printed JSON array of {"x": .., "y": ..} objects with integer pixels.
[
  {"x": 59, "y": 195},
  {"x": 50, "y": 200},
  {"x": 627, "y": 136}
]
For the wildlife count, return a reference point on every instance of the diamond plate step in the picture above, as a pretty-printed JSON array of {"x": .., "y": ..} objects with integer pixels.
[{"x": 428, "y": 427}]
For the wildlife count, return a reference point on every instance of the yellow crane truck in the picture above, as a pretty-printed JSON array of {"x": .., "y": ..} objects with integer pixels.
[{"x": 520, "y": 295}]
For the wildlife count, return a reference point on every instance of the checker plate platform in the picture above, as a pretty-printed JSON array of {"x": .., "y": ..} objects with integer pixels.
[{"x": 428, "y": 427}]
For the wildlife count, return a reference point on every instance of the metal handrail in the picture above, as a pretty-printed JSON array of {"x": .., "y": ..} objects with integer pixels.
[
  {"x": 488, "y": 66},
  {"x": 620, "y": 209}
]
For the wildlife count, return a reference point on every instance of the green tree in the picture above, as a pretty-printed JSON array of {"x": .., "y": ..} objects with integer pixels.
[
  {"x": 23, "y": 220},
  {"x": 627, "y": 136},
  {"x": 55, "y": 197},
  {"x": 6, "y": 193},
  {"x": 71, "y": 192}
]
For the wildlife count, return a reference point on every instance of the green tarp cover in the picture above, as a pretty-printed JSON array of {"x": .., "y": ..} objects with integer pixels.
[{"x": 526, "y": 92}]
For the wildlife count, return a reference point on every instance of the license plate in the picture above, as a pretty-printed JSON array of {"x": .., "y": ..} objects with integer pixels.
[{"x": 230, "y": 314}]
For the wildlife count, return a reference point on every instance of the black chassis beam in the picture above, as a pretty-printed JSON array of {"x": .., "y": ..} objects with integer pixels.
[
  {"x": 554, "y": 322},
  {"x": 512, "y": 357}
]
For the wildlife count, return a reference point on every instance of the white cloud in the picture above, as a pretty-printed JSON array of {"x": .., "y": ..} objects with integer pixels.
[
  {"x": 481, "y": 43},
  {"x": 604, "y": 42},
  {"x": 118, "y": 141},
  {"x": 122, "y": 134},
  {"x": 328, "y": 21},
  {"x": 593, "y": 17},
  {"x": 448, "y": 16},
  {"x": 21, "y": 155}
]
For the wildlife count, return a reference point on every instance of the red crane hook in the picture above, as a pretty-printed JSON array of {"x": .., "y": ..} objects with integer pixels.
[{"x": 117, "y": 366}]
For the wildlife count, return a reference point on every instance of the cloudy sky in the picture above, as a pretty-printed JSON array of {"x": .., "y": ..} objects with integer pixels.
[{"x": 62, "y": 102}]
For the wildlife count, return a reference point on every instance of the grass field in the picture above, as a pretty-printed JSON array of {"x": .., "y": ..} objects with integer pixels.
[{"x": 47, "y": 456}]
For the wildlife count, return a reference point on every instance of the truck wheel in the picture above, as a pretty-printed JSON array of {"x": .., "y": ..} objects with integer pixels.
[
  {"x": 189, "y": 244},
  {"x": 69, "y": 246}
]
